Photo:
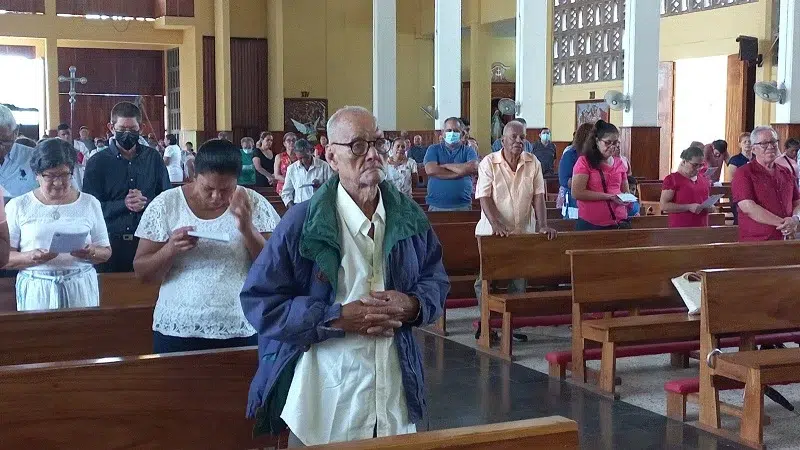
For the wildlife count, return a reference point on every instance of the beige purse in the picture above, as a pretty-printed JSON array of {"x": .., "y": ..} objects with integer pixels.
[{"x": 688, "y": 286}]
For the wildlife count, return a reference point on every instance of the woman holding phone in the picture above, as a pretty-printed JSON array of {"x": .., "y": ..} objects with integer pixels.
[{"x": 198, "y": 305}]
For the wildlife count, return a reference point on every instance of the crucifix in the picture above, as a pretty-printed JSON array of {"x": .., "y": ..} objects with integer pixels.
[{"x": 72, "y": 79}]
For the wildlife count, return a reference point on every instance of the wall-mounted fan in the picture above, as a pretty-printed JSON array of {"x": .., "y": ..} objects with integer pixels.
[
  {"x": 508, "y": 107},
  {"x": 769, "y": 91},
  {"x": 430, "y": 111},
  {"x": 618, "y": 101}
]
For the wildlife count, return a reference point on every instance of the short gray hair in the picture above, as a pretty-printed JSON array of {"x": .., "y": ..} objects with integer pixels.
[
  {"x": 335, "y": 120},
  {"x": 52, "y": 153},
  {"x": 761, "y": 129},
  {"x": 514, "y": 123},
  {"x": 7, "y": 119}
]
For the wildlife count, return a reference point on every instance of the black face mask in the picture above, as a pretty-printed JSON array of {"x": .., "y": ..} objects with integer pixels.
[{"x": 126, "y": 139}]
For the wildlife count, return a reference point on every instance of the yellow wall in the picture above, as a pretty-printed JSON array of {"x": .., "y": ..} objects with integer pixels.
[
  {"x": 503, "y": 50},
  {"x": 496, "y": 10},
  {"x": 328, "y": 52}
]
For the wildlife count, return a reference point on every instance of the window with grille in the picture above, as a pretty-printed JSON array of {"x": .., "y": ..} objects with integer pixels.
[
  {"x": 587, "y": 40},
  {"x": 675, "y": 7},
  {"x": 173, "y": 91}
]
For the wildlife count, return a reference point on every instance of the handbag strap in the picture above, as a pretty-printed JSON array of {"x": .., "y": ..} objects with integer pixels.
[{"x": 605, "y": 191}]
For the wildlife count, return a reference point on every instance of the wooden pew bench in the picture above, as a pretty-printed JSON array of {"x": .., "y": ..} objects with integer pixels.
[
  {"x": 727, "y": 308},
  {"x": 545, "y": 264},
  {"x": 116, "y": 290},
  {"x": 70, "y": 334},
  {"x": 546, "y": 433},
  {"x": 462, "y": 264},
  {"x": 645, "y": 274},
  {"x": 181, "y": 400}
]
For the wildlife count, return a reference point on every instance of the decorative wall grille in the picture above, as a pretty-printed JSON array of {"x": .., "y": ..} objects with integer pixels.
[
  {"x": 675, "y": 7},
  {"x": 587, "y": 40},
  {"x": 173, "y": 91}
]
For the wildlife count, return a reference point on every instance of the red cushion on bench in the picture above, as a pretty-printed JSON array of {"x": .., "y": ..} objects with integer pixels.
[
  {"x": 591, "y": 354},
  {"x": 692, "y": 385},
  {"x": 455, "y": 303}
]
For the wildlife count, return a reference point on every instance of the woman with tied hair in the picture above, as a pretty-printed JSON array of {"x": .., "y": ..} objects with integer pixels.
[
  {"x": 198, "y": 304},
  {"x": 50, "y": 280},
  {"x": 264, "y": 160},
  {"x": 715, "y": 155},
  {"x": 569, "y": 208},
  {"x": 684, "y": 192},
  {"x": 598, "y": 178},
  {"x": 284, "y": 160}
]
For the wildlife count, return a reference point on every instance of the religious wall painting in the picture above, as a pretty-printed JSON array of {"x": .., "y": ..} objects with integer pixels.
[
  {"x": 590, "y": 111},
  {"x": 307, "y": 116}
]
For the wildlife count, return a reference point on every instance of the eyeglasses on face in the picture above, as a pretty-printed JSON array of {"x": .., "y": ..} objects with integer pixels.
[
  {"x": 610, "y": 143},
  {"x": 767, "y": 144},
  {"x": 53, "y": 177},
  {"x": 360, "y": 147}
]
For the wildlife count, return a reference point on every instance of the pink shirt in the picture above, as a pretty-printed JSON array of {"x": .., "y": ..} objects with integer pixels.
[
  {"x": 687, "y": 192},
  {"x": 596, "y": 212},
  {"x": 776, "y": 192},
  {"x": 790, "y": 164}
]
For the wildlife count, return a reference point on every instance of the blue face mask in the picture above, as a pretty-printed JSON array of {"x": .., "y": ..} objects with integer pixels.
[
  {"x": 452, "y": 137},
  {"x": 545, "y": 137}
]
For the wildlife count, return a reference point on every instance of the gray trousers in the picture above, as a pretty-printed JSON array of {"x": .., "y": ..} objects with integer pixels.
[{"x": 518, "y": 286}]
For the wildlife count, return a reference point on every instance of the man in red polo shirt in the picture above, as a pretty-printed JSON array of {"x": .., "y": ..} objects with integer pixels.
[{"x": 767, "y": 194}]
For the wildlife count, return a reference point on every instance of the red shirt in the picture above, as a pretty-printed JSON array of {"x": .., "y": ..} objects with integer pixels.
[
  {"x": 686, "y": 193},
  {"x": 776, "y": 192}
]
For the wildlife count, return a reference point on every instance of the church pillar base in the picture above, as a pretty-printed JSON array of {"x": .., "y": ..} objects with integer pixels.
[{"x": 642, "y": 147}]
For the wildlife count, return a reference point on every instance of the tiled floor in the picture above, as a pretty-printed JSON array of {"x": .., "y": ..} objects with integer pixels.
[{"x": 466, "y": 387}]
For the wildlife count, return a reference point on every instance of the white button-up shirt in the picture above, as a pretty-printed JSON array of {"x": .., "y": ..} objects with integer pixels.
[
  {"x": 299, "y": 185},
  {"x": 347, "y": 389}
]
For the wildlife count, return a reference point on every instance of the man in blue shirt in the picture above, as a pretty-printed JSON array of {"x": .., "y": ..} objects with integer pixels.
[
  {"x": 450, "y": 167},
  {"x": 528, "y": 145},
  {"x": 16, "y": 176},
  {"x": 417, "y": 152}
]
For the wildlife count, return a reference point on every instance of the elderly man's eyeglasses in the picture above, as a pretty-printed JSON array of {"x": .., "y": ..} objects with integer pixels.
[
  {"x": 360, "y": 147},
  {"x": 767, "y": 144}
]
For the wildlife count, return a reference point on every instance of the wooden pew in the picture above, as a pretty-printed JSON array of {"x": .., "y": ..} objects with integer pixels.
[
  {"x": 454, "y": 217},
  {"x": 86, "y": 333},
  {"x": 727, "y": 308},
  {"x": 182, "y": 400},
  {"x": 116, "y": 290},
  {"x": 650, "y": 197},
  {"x": 598, "y": 278},
  {"x": 546, "y": 433},
  {"x": 547, "y": 265},
  {"x": 462, "y": 264}
]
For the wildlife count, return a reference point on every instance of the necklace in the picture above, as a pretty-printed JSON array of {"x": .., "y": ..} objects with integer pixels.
[{"x": 55, "y": 214}]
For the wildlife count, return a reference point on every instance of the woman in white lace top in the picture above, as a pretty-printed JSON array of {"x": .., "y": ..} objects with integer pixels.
[
  {"x": 402, "y": 171},
  {"x": 198, "y": 305},
  {"x": 49, "y": 279}
]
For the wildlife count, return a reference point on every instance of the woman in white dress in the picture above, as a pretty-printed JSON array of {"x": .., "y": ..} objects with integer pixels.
[
  {"x": 198, "y": 306},
  {"x": 173, "y": 159},
  {"x": 49, "y": 279},
  {"x": 402, "y": 170}
]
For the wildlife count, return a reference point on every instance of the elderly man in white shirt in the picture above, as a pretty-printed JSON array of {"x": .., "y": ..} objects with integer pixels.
[
  {"x": 304, "y": 176},
  {"x": 335, "y": 296}
]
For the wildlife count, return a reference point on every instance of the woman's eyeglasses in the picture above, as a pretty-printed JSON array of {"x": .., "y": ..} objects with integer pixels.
[{"x": 613, "y": 143}]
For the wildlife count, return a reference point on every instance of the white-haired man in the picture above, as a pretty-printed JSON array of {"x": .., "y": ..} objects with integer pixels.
[
  {"x": 16, "y": 176},
  {"x": 766, "y": 193},
  {"x": 335, "y": 295}
]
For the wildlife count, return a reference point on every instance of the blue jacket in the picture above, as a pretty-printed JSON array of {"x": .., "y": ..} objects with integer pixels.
[
  {"x": 290, "y": 292},
  {"x": 565, "y": 166}
]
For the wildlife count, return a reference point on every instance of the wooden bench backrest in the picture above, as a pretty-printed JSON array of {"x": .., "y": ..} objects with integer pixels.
[
  {"x": 545, "y": 433},
  {"x": 459, "y": 247},
  {"x": 650, "y": 192},
  {"x": 535, "y": 258},
  {"x": 602, "y": 278},
  {"x": 454, "y": 216},
  {"x": 751, "y": 299},
  {"x": 190, "y": 400},
  {"x": 44, "y": 336},
  {"x": 8, "y": 294}
]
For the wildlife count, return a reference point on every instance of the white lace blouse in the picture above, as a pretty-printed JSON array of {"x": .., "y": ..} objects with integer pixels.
[
  {"x": 401, "y": 176},
  {"x": 200, "y": 295}
]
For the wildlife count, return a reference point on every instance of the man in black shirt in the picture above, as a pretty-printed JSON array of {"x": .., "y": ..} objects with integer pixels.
[{"x": 125, "y": 177}]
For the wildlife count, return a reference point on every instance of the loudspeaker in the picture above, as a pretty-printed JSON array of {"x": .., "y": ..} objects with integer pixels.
[{"x": 748, "y": 48}]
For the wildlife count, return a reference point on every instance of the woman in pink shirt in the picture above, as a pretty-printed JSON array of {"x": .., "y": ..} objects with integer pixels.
[
  {"x": 597, "y": 179},
  {"x": 684, "y": 192},
  {"x": 789, "y": 157}
]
